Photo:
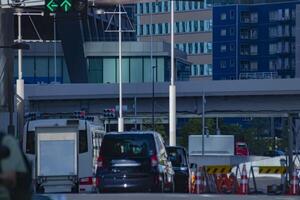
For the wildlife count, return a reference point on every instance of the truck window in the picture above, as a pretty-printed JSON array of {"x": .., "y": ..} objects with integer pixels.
[
  {"x": 83, "y": 142},
  {"x": 30, "y": 142}
]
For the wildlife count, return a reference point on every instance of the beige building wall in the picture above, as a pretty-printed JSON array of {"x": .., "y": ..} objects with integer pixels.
[{"x": 204, "y": 14}]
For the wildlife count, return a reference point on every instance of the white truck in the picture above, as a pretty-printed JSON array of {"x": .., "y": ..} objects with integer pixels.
[
  {"x": 62, "y": 154},
  {"x": 213, "y": 145}
]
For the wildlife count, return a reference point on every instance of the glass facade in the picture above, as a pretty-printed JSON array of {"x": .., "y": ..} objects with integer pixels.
[
  {"x": 41, "y": 69},
  {"x": 202, "y": 69},
  {"x": 134, "y": 70},
  {"x": 192, "y": 26},
  {"x": 195, "y": 48},
  {"x": 164, "y": 6}
]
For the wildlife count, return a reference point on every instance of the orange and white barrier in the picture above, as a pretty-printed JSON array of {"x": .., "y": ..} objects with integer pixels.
[
  {"x": 244, "y": 187},
  {"x": 294, "y": 184},
  {"x": 200, "y": 181}
]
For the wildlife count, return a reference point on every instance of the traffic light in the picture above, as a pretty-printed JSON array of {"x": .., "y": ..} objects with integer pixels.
[
  {"x": 110, "y": 113},
  {"x": 67, "y": 6}
]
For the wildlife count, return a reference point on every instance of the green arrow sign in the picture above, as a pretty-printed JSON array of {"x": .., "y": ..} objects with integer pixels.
[
  {"x": 52, "y": 5},
  {"x": 66, "y": 5}
]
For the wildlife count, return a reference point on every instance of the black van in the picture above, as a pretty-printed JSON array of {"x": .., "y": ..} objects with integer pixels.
[
  {"x": 134, "y": 161},
  {"x": 178, "y": 157}
]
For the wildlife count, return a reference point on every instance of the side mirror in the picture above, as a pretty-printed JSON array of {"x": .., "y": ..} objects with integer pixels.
[{"x": 193, "y": 166}]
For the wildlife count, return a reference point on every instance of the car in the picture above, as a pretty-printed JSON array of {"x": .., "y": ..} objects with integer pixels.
[
  {"x": 178, "y": 157},
  {"x": 134, "y": 162},
  {"x": 274, "y": 153},
  {"x": 241, "y": 149}
]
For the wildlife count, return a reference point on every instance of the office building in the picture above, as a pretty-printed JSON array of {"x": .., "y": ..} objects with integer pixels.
[
  {"x": 254, "y": 40},
  {"x": 102, "y": 63},
  {"x": 193, "y": 29}
]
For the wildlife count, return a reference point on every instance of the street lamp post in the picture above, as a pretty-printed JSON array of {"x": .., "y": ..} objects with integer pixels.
[
  {"x": 20, "y": 82},
  {"x": 120, "y": 119},
  {"x": 101, "y": 11},
  {"x": 153, "y": 106},
  {"x": 172, "y": 87}
]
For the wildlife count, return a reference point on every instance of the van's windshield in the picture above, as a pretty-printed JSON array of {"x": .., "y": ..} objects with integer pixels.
[{"x": 128, "y": 145}]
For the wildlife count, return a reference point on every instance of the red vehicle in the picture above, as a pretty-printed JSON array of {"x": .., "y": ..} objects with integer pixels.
[{"x": 241, "y": 149}]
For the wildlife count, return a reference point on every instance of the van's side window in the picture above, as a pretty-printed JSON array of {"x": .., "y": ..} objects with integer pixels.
[
  {"x": 30, "y": 142},
  {"x": 83, "y": 142}
]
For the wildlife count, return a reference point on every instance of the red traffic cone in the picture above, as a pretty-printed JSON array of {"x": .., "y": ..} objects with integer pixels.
[
  {"x": 294, "y": 184},
  {"x": 244, "y": 182}
]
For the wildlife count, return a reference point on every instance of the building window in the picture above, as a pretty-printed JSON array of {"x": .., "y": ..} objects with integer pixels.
[
  {"x": 223, "y": 32},
  {"x": 167, "y": 28},
  {"x": 153, "y": 29},
  {"x": 232, "y": 32},
  {"x": 232, "y": 63},
  {"x": 223, "y": 16},
  {"x": 253, "y": 66},
  {"x": 190, "y": 5},
  {"x": 141, "y": 8},
  {"x": 147, "y": 8},
  {"x": 245, "y": 50},
  {"x": 209, "y": 47},
  {"x": 253, "y": 50},
  {"x": 223, "y": 48},
  {"x": 232, "y": 47},
  {"x": 148, "y": 29},
  {"x": 159, "y": 6},
  {"x": 232, "y": 14},
  {"x": 177, "y": 28},
  {"x": 196, "y": 26},
  {"x": 177, "y": 5},
  {"x": 153, "y": 10},
  {"x": 245, "y": 65},
  {"x": 254, "y": 17},
  {"x": 272, "y": 65},
  {"x": 247, "y": 17},
  {"x": 223, "y": 64},
  {"x": 160, "y": 29},
  {"x": 141, "y": 30}
]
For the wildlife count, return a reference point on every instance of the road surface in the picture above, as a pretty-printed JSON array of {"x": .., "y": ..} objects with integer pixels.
[{"x": 129, "y": 196}]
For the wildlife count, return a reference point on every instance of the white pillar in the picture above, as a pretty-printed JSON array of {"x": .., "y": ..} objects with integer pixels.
[
  {"x": 55, "y": 57},
  {"x": 120, "y": 119},
  {"x": 172, "y": 87},
  {"x": 172, "y": 120},
  {"x": 20, "y": 84}
]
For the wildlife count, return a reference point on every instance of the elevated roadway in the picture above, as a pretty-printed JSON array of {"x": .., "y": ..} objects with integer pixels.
[{"x": 223, "y": 98}]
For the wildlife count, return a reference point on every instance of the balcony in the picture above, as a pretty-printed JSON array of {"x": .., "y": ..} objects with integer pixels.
[{"x": 258, "y": 75}]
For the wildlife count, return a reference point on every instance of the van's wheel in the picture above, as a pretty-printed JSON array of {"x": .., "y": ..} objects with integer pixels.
[
  {"x": 75, "y": 189},
  {"x": 162, "y": 187},
  {"x": 39, "y": 189},
  {"x": 173, "y": 187}
]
